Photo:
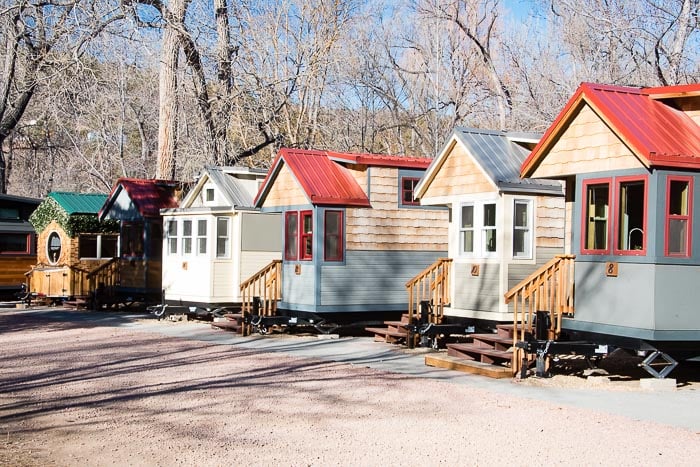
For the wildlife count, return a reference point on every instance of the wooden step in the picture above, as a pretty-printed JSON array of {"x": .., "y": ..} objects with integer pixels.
[
  {"x": 469, "y": 351},
  {"x": 227, "y": 325},
  {"x": 506, "y": 330},
  {"x": 493, "y": 341},
  {"x": 391, "y": 336},
  {"x": 468, "y": 366}
]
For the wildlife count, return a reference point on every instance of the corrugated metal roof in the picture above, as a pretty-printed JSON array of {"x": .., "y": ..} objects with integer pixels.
[
  {"x": 657, "y": 133},
  {"x": 231, "y": 187},
  {"x": 78, "y": 203},
  {"x": 149, "y": 196}
]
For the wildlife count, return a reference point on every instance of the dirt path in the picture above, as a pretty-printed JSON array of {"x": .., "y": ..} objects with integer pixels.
[{"x": 73, "y": 393}]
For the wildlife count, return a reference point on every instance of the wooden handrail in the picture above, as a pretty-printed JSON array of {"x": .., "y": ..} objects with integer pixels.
[
  {"x": 265, "y": 284},
  {"x": 551, "y": 289},
  {"x": 431, "y": 284}
]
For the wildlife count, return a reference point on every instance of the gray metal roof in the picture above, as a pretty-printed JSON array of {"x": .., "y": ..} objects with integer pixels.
[
  {"x": 499, "y": 155},
  {"x": 225, "y": 178}
]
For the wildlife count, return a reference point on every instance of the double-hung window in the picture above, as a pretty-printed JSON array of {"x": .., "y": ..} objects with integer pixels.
[
  {"x": 187, "y": 237},
  {"x": 306, "y": 237},
  {"x": 222, "y": 237},
  {"x": 171, "y": 232},
  {"x": 489, "y": 229},
  {"x": 466, "y": 229},
  {"x": 522, "y": 229},
  {"x": 408, "y": 185},
  {"x": 291, "y": 228},
  {"x": 477, "y": 229},
  {"x": 202, "y": 237},
  {"x": 678, "y": 223},
  {"x": 333, "y": 236}
]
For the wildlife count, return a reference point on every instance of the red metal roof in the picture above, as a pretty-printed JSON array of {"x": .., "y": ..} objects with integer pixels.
[
  {"x": 657, "y": 133},
  {"x": 149, "y": 196},
  {"x": 380, "y": 160}
]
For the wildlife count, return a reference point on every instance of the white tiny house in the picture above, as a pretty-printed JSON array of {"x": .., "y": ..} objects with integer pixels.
[{"x": 216, "y": 239}]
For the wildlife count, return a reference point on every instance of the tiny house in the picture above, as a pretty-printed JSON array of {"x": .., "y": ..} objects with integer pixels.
[
  {"x": 71, "y": 244},
  {"x": 17, "y": 242},
  {"x": 135, "y": 204},
  {"x": 501, "y": 227},
  {"x": 352, "y": 232},
  {"x": 630, "y": 158},
  {"x": 216, "y": 239}
]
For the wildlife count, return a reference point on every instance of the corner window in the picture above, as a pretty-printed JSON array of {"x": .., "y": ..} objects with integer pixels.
[
  {"x": 630, "y": 227},
  {"x": 222, "y": 237},
  {"x": 678, "y": 223},
  {"x": 596, "y": 212},
  {"x": 306, "y": 239},
  {"x": 186, "y": 237},
  {"x": 408, "y": 185},
  {"x": 466, "y": 229},
  {"x": 16, "y": 244},
  {"x": 333, "y": 236},
  {"x": 202, "y": 237},
  {"x": 171, "y": 232},
  {"x": 291, "y": 224},
  {"x": 522, "y": 229}
]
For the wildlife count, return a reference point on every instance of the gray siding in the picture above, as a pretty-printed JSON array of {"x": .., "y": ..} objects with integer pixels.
[
  {"x": 480, "y": 292},
  {"x": 298, "y": 289},
  {"x": 518, "y": 271},
  {"x": 676, "y": 298},
  {"x": 373, "y": 277},
  {"x": 261, "y": 232}
]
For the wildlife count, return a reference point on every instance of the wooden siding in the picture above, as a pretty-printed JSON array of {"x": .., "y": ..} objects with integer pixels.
[
  {"x": 587, "y": 145},
  {"x": 458, "y": 175},
  {"x": 12, "y": 269},
  {"x": 480, "y": 293},
  {"x": 373, "y": 277},
  {"x": 387, "y": 227},
  {"x": 140, "y": 275},
  {"x": 550, "y": 225},
  {"x": 285, "y": 191}
]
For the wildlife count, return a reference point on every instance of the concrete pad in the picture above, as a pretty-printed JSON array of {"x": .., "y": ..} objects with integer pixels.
[{"x": 656, "y": 384}]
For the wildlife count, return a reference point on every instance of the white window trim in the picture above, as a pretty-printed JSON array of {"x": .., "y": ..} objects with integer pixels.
[
  {"x": 200, "y": 237},
  {"x": 530, "y": 240},
  {"x": 227, "y": 254},
  {"x": 183, "y": 237},
  {"x": 168, "y": 237},
  {"x": 479, "y": 229}
]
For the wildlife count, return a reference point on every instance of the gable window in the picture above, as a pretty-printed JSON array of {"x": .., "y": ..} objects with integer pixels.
[
  {"x": 209, "y": 194},
  {"x": 306, "y": 238},
  {"x": 678, "y": 224},
  {"x": 466, "y": 229},
  {"x": 222, "y": 236},
  {"x": 333, "y": 236},
  {"x": 408, "y": 185},
  {"x": 522, "y": 230},
  {"x": 202, "y": 237},
  {"x": 630, "y": 220},
  {"x": 489, "y": 228},
  {"x": 171, "y": 232},
  {"x": 291, "y": 224},
  {"x": 187, "y": 237},
  {"x": 596, "y": 212}
]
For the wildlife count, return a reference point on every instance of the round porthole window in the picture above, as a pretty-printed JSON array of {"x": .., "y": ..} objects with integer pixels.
[{"x": 54, "y": 247}]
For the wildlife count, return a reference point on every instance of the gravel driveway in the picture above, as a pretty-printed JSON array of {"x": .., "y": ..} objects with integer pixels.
[{"x": 121, "y": 391}]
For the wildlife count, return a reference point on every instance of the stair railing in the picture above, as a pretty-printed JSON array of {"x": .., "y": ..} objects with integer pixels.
[
  {"x": 433, "y": 285},
  {"x": 266, "y": 284},
  {"x": 106, "y": 275},
  {"x": 551, "y": 289}
]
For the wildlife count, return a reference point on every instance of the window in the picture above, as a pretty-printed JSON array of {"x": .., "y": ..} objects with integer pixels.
[
  {"x": 97, "y": 246},
  {"x": 333, "y": 236},
  {"x": 171, "y": 232},
  {"x": 489, "y": 228},
  {"x": 210, "y": 194},
  {"x": 408, "y": 184},
  {"x": 186, "y": 237},
  {"x": 307, "y": 235},
  {"x": 630, "y": 219},
  {"x": 522, "y": 229},
  {"x": 132, "y": 239},
  {"x": 53, "y": 247},
  {"x": 466, "y": 229},
  {"x": 14, "y": 243},
  {"x": 202, "y": 237},
  {"x": 9, "y": 213},
  {"x": 222, "y": 236},
  {"x": 595, "y": 239},
  {"x": 678, "y": 226},
  {"x": 291, "y": 224}
]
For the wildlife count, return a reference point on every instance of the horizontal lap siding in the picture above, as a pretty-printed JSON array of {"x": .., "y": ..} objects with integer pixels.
[
  {"x": 676, "y": 297},
  {"x": 253, "y": 261},
  {"x": 299, "y": 289},
  {"x": 187, "y": 277},
  {"x": 519, "y": 271},
  {"x": 373, "y": 277},
  {"x": 12, "y": 269},
  {"x": 480, "y": 292}
]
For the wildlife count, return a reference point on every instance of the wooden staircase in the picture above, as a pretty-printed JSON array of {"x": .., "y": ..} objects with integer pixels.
[
  {"x": 229, "y": 322},
  {"x": 394, "y": 332},
  {"x": 260, "y": 294}
]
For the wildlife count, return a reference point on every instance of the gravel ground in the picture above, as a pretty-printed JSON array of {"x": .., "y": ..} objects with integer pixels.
[{"x": 77, "y": 393}]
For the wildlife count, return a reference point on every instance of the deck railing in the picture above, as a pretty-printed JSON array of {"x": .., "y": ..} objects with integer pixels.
[
  {"x": 549, "y": 289},
  {"x": 105, "y": 276},
  {"x": 266, "y": 284},
  {"x": 432, "y": 285}
]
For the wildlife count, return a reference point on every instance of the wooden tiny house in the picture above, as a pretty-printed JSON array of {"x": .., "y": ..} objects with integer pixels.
[
  {"x": 17, "y": 242},
  {"x": 215, "y": 239},
  {"x": 352, "y": 232},
  {"x": 136, "y": 204},
  {"x": 71, "y": 244},
  {"x": 630, "y": 158}
]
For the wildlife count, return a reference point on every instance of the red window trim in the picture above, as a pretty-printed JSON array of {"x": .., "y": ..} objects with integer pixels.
[
  {"x": 413, "y": 202},
  {"x": 616, "y": 222},
  {"x": 303, "y": 235},
  {"x": 689, "y": 217},
  {"x": 287, "y": 239},
  {"x": 27, "y": 250},
  {"x": 340, "y": 253},
  {"x": 584, "y": 216}
]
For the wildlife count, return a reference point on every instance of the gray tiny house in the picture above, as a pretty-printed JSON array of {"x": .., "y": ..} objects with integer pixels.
[
  {"x": 352, "y": 233},
  {"x": 630, "y": 158}
]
